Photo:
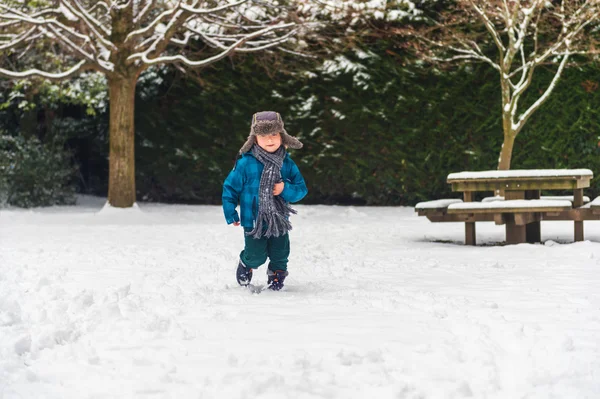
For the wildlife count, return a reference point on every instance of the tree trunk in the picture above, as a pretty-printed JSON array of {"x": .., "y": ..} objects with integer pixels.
[
  {"x": 121, "y": 182},
  {"x": 506, "y": 152},
  {"x": 507, "y": 128}
]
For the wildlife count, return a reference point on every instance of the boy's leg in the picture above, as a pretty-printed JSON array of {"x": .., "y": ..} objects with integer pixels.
[
  {"x": 278, "y": 249},
  {"x": 255, "y": 251}
]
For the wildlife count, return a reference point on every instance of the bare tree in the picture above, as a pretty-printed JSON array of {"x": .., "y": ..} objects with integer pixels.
[
  {"x": 122, "y": 38},
  {"x": 515, "y": 38}
]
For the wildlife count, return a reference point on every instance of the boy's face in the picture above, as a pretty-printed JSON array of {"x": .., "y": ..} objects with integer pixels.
[{"x": 270, "y": 142}]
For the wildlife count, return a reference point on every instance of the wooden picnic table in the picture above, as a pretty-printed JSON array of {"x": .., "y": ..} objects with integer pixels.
[{"x": 522, "y": 185}]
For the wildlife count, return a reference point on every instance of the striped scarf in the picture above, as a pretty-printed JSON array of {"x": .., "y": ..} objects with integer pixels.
[{"x": 273, "y": 211}]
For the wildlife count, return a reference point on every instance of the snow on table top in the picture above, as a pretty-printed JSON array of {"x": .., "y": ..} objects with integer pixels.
[
  {"x": 544, "y": 197},
  {"x": 512, "y": 204},
  {"x": 564, "y": 197},
  {"x": 441, "y": 203},
  {"x": 519, "y": 173},
  {"x": 494, "y": 198}
]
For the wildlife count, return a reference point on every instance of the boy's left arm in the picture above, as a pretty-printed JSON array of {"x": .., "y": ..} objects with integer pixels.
[{"x": 294, "y": 187}]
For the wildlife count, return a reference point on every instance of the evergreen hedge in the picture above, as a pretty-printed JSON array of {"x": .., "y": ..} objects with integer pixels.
[
  {"x": 34, "y": 174},
  {"x": 377, "y": 132}
]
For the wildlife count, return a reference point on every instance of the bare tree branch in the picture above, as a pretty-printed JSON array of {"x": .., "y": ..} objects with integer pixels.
[
  {"x": 227, "y": 50},
  {"x": 150, "y": 27},
  {"x": 527, "y": 114},
  {"x": 80, "y": 67},
  {"x": 42, "y": 22},
  {"x": 212, "y": 41},
  {"x": 200, "y": 11},
  {"x": 18, "y": 39},
  {"x": 90, "y": 21},
  {"x": 490, "y": 27},
  {"x": 138, "y": 18}
]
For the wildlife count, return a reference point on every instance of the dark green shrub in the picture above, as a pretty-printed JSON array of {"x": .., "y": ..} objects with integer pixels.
[{"x": 34, "y": 174}]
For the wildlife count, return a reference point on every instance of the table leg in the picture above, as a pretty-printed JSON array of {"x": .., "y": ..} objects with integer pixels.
[
  {"x": 469, "y": 226},
  {"x": 533, "y": 230},
  {"x": 577, "y": 202},
  {"x": 515, "y": 234}
]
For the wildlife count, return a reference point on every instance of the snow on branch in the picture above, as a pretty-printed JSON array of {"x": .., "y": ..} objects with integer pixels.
[
  {"x": 489, "y": 25},
  {"x": 9, "y": 24},
  {"x": 69, "y": 24},
  {"x": 226, "y": 49},
  {"x": 119, "y": 6},
  {"x": 200, "y": 11},
  {"x": 144, "y": 11},
  {"x": 44, "y": 22},
  {"x": 296, "y": 53},
  {"x": 525, "y": 116},
  {"x": 99, "y": 31},
  {"x": 215, "y": 40},
  {"x": 128, "y": 36},
  {"x": 17, "y": 39},
  {"x": 151, "y": 25},
  {"x": 71, "y": 44},
  {"x": 78, "y": 10},
  {"x": 99, "y": 4},
  {"x": 512, "y": 26},
  {"x": 221, "y": 22},
  {"x": 80, "y": 67}
]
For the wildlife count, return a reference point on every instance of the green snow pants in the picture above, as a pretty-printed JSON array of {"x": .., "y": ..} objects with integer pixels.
[{"x": 256, "y": 251}]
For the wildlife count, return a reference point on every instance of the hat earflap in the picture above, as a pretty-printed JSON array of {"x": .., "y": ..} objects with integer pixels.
[{"x": 248, "y": 144}]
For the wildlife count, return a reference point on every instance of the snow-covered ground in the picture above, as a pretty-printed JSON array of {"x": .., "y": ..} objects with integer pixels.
[{"x": 380, "y": 303}]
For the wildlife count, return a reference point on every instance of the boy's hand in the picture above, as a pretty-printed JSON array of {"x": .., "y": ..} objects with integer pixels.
[
  {"x": 236, "y": 223},
  {"x": 278, "y": 188}
]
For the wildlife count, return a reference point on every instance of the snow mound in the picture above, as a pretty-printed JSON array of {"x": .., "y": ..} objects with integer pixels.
[{"x": 110, "y": 210}]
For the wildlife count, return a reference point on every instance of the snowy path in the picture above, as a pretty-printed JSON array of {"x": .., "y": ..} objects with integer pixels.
[{"x": 379, "y": 304}]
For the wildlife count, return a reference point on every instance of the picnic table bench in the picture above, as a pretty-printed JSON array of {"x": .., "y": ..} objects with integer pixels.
[{"x": 522, "y": 207}]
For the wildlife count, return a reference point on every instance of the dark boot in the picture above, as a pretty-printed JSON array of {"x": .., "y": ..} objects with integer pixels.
[
  {"x": 243, "y": 274},
  {"x": 276, "y": 279}
]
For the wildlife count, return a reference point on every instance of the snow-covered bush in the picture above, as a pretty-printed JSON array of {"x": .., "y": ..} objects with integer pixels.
[{"x": 33, "y": 173}]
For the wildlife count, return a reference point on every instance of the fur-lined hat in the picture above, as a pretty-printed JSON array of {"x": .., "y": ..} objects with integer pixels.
[{"x": 265, "y": 123}]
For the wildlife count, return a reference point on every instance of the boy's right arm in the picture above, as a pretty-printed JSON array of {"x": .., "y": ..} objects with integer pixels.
[{"x": 232, "y": 187}]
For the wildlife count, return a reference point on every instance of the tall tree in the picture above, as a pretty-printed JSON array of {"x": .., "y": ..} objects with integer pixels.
[
  {"x": 515, "y": 38},
  {"x": 123, "y": 38}
]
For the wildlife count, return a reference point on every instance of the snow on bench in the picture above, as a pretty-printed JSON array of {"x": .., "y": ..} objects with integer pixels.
[
  {"x": 436, "y": 205},
  {"x": 494, "y": 198},
  {"x": 511, "y": 206},
  {"x": 594, "y": 204},
  {"x": 586, "y": 199},
  {"x": 564, "y": 197},
  {"x": 520, "y": 174}
]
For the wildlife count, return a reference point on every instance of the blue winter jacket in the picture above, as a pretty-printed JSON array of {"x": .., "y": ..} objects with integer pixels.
[{"x": 242, "y": 184}]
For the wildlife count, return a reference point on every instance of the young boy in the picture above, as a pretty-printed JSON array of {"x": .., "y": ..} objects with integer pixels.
[{"x": 264, "y": 181}]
